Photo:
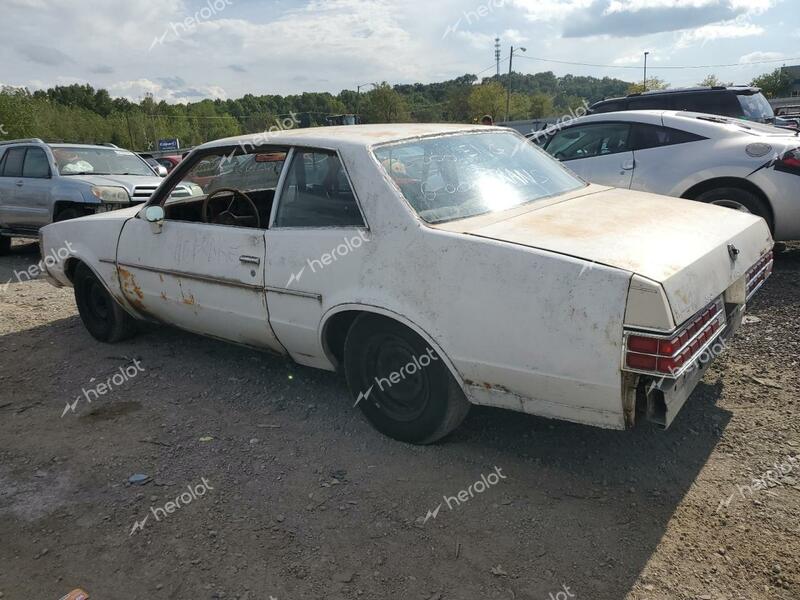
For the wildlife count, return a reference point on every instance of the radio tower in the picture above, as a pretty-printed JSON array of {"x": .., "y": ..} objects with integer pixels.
[{"x": 497, "y": 54}]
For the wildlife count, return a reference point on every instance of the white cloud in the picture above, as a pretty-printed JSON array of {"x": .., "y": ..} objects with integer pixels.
[
  {"x": 551, "y": 10},
  {"x": 718, "y": 31},
  {"x": 759, "y": 56}
]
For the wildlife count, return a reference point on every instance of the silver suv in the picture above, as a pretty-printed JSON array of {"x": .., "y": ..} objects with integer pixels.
[{"x": 41, "y": 183}]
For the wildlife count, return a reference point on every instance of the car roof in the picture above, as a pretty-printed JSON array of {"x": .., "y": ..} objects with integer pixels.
[
  {"x": 736, "y": 89},
  {"x": 349, "y": 135},
  {"x": 93, "y": 146}
]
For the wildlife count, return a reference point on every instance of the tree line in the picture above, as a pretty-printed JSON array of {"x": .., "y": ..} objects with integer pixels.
[{"x": 80, "y": 113}]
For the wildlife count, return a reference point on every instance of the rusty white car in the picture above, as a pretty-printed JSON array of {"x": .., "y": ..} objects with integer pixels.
[{"x": 437, "y": 266}]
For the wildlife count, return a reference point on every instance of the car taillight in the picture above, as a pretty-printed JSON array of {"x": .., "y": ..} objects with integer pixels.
[
  {"x": 758, "y": 273},
  {"x": 789, "y": 162},
  {"x": 669, "y": 354}
]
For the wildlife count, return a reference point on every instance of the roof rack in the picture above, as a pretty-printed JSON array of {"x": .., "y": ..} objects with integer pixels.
[{"x": 22, "y": 141}]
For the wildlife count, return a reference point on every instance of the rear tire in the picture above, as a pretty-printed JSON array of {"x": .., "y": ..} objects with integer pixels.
[
  {"x": 102, "y": 316},
  {"x": 5, "y": 245},
  {"x": 738, "y": 199},
  {"x": 419, "y": 406}
]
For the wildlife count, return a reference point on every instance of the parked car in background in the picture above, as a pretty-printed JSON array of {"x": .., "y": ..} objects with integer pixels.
[
  {"x": 437, "y": 266},
  {"x": 728, "y": 162},
  {"x": 41, "y": 183},
  {"x": 169, "y": 162},
  {"x": 740, "y": 102}
]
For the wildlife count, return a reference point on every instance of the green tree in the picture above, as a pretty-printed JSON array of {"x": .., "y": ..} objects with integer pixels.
[
  {"x": 713, "y": 81},
  {"x": 653, "y": 83},
  {"x": 384, "y": 105},
  {"x": 487, "y": 99},
  {"x": 775, "y": 84}
]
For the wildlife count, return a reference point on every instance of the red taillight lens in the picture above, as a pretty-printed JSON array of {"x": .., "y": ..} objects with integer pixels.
[
  {"x": 667, "y": 356},
  {"x": 790, "y": 161}
]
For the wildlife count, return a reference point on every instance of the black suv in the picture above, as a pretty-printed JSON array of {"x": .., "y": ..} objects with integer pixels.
[{"x": 738, "y": 102}]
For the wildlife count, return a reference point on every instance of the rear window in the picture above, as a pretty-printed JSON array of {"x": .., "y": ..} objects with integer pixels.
[
  {"x": 755, "y": 107},
  {"x": 612, "y": 106},
  {"x": 12, "y": 165},
  {"x": 653, "y": 136},
  {"x": 650, "y": 103},
  {"x": 714, "y": 103}
]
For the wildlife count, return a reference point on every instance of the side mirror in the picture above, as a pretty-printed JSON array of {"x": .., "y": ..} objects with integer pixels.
[
  {"x": 155, "y": 216},
  {"x": 161, "y": 171}
]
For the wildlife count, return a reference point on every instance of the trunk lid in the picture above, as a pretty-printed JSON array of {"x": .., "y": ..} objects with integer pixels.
[{"x": 681, "y": 244}]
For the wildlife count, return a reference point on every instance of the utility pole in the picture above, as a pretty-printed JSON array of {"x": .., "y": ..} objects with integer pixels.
[
  {"x": 645, "y": 71},
  {"x": 358, "y": 97},
  {"x": 497, "y": 54},
  {"x": 508, "y": 87}
]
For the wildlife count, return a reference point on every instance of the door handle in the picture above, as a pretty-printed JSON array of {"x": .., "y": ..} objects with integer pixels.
[
  {"x": 19, "y": 184},
  {"x": 250, "y": 260},
  {"x": 629, "y": 164}
]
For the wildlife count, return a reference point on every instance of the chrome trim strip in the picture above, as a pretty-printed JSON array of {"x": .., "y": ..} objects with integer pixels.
[
  {"x": 107, "y": 261},
  {"x": 198, "y": 277},
  {"x": 301, "y": 294}
]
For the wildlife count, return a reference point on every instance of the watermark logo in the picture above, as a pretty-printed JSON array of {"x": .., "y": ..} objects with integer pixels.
[
  {"x": 539, "y": 136},
  {"x": 480, "y": 486},
  {"x": 347, "y": 246},
  {"x": 562, "y": 594},
  {"x": 189, "y": 24},
  {"x": 415, "y": 365},
  {"x": 159, "y": 513},
  {"x": 770, "y": 478},
  {"x": 473, "y": 16},
  {"x": 262, "y": 138},
  {"x": 124, "y": 375},
  {"x": 709, "y": 354},
  {"x": 51, "y": 259}
]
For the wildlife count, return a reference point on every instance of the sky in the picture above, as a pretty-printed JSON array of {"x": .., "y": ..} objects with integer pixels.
[{"x": 187, "y": 50}]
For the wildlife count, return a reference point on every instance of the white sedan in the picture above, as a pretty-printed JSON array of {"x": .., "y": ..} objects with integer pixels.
[
  {"x": 729, "y": 162},
  {"x": 437, "y": 266}
]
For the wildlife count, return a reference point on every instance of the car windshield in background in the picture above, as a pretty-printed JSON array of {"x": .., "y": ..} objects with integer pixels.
[
  {"x": 75, "y": 160},
  {"x": 756, "y": 107},
  {"x": 459, "y": 176},
  {"x": 242, "y": 172}
]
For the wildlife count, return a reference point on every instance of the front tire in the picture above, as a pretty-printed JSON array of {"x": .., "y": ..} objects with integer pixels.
[
  {"x": 738, "y": 199},
  {"x": 102, "y": 316},
  {"x": 400, "y": 384}
]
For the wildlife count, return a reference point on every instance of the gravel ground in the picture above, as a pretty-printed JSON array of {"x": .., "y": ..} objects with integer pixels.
[{"x": 293, "y": 495}]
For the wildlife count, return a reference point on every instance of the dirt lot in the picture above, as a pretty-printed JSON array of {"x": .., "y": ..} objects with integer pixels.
[{"x": 295, "y": 496}]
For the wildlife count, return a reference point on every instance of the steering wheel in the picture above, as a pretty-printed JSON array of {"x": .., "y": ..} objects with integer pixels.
[{"x": 227, "y": 216}]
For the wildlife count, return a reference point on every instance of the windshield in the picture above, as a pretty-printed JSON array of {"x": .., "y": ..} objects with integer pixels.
[
  {"x": 459, "y": 176},
  {"x": 75, "y": 160},
  {"x": 756, "y": 108}
]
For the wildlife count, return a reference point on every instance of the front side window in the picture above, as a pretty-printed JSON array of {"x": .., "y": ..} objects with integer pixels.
[
  {"x": 458, "y": 176},
  {"x": 317, "y": 193},
  {"x": 78, "y": 160},
  {"x": 36, "y": 164},
  {"x": 587, "y": 141},
  {"x": 227, "y": 187}
]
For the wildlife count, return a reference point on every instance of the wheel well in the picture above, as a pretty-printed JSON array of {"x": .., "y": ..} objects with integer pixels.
[
  {"x": 63, "y": 205},
  {"x": 70, "y": 266},
  {"x": 336, "y": 332},
  {"x": 730, "y": 182}
]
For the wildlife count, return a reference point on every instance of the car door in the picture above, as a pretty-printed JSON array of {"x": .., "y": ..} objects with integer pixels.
[
  {"x": 12, "y": 214},
  {"x": 200, "y": 276},
  {"x": 598, "y": 152},
  {"x": 659, "y": 164},
  {"x": 34, "y": 194},
  {"x": 316, "y": 245}
]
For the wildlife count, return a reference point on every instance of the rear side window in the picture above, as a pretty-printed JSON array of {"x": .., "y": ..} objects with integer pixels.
[
  {"x": 604, "y": 107},
  {"x": 653, "y": 136},
  {"x": 12, "y": 166},
  {"x": 715, "y": 103},
  {"x": 317, "y": 193},
  {"x": 650, "y": 103},
  {"x": 36, "y": 164}
]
